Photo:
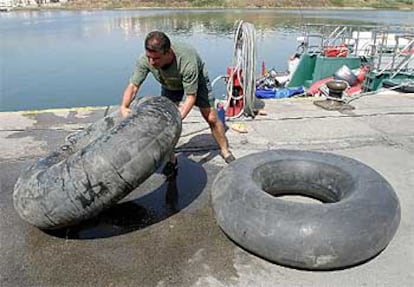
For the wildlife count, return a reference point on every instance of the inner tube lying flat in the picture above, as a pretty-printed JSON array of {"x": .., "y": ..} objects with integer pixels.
[
  {"x": 98, "y": 166},
  {"x": 357, "y": 220}
]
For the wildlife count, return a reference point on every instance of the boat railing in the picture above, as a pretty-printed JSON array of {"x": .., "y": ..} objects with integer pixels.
[
  {"x": 337, "y": 34},
  {"x": 325, "y": 34},
  {"x": 359, "y": 40},
  {"x": 310, "y": 44},
  {"x": 398, "y": 58},
  {"x": 404, "y": 67}
]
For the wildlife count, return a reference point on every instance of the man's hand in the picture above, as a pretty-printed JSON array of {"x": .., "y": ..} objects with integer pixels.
[
  {"x": 188, "y": 104},
  {"x": 124, "y": 111},
  {"x": 129, "y": 94}
]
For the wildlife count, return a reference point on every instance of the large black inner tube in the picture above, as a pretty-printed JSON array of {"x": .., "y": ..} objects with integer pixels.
[
  {"x": 98, "y": 166},
  {"x": 358, "y": 218}
]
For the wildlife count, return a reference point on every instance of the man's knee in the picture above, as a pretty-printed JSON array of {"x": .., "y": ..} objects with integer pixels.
[{"x": 210, "y": 116}]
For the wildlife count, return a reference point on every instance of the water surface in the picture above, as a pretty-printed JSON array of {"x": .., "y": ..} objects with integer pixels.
[{"x": 55, "y": 59}]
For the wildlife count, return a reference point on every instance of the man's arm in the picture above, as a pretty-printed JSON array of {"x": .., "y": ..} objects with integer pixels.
[
  {"x": 129, "y": 95},
  {"x": 188, "y": 104}
]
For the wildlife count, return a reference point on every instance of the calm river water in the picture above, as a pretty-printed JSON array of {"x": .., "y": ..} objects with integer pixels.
[{"x": 54, "y": 59}]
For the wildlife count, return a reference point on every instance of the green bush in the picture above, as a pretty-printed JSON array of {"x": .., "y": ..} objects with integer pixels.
[
  {"x": 338, "y": 3},
  {"x": 408, "y": 2},
  {"x": 202, "y": 3}
]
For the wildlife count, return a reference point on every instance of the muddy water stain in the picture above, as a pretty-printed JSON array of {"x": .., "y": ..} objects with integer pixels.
[{"x": 155, "y": 200}]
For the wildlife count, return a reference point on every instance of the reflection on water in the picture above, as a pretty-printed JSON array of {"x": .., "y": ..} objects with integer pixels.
[
  {"x": 221, "y": 24},
  {"x": 82, "y": 58},
  {"x": 162, "y": 198}
]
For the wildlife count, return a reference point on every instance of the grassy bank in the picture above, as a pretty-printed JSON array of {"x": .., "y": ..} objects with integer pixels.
[{"x": 111, "y": 4}]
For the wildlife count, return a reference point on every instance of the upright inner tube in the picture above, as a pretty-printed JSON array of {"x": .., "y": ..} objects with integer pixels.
[
  {"x": 98, "y": 166},
  {"x": 358, "y": 218}
]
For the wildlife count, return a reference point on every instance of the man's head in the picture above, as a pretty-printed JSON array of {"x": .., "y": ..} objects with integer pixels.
[{"x": 158, "y": 49}]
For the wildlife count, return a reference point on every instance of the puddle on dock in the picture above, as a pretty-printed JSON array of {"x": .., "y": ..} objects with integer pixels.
[{"x": 153, "y": 201}]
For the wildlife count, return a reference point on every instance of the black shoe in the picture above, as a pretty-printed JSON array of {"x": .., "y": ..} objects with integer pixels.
[
  {"x": 170, "y": 169},
  {"x": 228, "y": 159}
]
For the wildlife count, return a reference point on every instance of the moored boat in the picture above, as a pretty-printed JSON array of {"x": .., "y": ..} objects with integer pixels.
[{"x": 367, "y": 58}]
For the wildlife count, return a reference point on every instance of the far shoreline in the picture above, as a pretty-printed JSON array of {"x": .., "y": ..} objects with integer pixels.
[{"x": 81, "y": 8}]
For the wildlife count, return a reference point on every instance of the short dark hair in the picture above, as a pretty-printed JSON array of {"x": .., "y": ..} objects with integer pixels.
[{"x": 157, "y": 41}]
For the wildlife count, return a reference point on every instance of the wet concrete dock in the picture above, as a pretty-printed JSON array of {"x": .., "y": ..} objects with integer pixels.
[{"x": 165, "y": 234}]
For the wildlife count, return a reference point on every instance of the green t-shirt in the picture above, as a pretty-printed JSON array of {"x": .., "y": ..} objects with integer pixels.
[{"x": 188, "y": 72}]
